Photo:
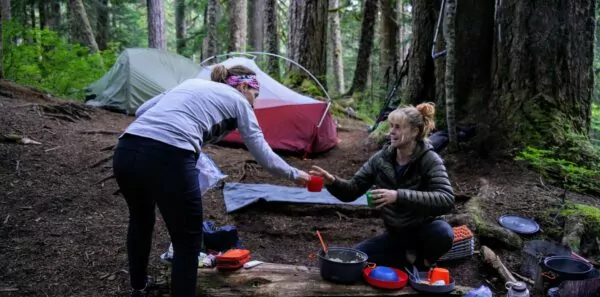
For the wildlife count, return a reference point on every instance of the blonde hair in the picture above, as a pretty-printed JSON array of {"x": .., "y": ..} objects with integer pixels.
[
  {"x": 220, "y": 73},
  {"x": 420, "y": 117}
]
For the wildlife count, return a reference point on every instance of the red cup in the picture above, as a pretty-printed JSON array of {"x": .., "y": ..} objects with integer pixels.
[{"x": 315, "y": 184}]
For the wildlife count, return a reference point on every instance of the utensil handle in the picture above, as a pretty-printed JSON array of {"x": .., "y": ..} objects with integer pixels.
[{"x": 322, "y": 242}]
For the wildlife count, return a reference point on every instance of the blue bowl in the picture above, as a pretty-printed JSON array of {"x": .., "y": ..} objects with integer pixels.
[{"x": 384, "y": 274}]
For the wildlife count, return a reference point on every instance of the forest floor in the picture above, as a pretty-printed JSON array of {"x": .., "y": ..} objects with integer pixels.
[{"x": 62, "y": 228}]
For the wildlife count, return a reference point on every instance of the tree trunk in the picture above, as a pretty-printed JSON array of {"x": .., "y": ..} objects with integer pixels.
[
  {"x": 421, "y": 81},
  {"x": 1, "y": 44},
  {"x": 6, "y": 13},
  {"x": 543, "y": 76},
  {"x": 84, "y": 30},
  {"x": 102, "y": 26},
  {"x": 335, "y": 42},
  {"x": 54, "y": 22},
  {"x": 308, "y": 29},
  {"x": 474, "y": 49},
  {"x": 42, "y": 11},
  {"x": 359, "y": 81},
  {"x": 276, "y": 280},
  {"x": 32, "y": 18},
  {"x": 257, "y": 25},
  {"x": 450, "y": 36},
  {"x": 272, "y": 38},
  {"x": 388, "y": 54},
  {"x": 211, "y": 45},
  {"x": 156, "y": 25},
  {"x": 180, "y": 25},
  {"x": 238, "y": 22}
]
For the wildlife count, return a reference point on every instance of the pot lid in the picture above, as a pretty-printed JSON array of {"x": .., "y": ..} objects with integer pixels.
[{"x": 519, "y": 224}]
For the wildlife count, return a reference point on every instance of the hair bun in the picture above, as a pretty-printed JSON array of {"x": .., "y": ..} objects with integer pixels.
[
  {"x": 427, "y": 109},
  {"x": 219, "y": 73}
]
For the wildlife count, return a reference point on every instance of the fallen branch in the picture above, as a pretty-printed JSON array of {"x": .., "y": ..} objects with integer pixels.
[
  {"x": 19, "y": 139},
  {"x": 490, "y": 258},
  {"x": 101, "y": 132},
  {"x": 275, "y": 280},
  {"x": 524, "y": 279},
  {"x": 101, "y": 161},
  {"x": 106, "y": 178}
]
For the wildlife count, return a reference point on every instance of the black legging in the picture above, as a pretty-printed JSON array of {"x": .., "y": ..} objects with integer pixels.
[{"x": 153, "y": 173}]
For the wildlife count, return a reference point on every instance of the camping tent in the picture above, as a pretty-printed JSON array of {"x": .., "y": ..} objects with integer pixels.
[
  {"x": 138, "y": 75},
  {"x": 290, "y": 121}
]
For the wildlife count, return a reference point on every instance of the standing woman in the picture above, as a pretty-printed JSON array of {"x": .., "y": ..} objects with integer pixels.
[{"x": 155, "y": 159}]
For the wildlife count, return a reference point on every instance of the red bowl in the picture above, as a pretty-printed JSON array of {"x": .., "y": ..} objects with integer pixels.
[{"x": 399, "y": 284}]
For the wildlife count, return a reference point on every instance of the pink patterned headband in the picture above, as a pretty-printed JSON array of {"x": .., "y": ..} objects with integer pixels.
[{"x": 235, "y": 80}]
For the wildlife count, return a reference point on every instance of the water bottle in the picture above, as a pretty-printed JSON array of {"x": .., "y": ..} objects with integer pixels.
[{"x": 518, "y": 289}]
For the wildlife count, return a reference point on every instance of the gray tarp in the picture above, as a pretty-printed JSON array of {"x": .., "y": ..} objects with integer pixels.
[{"x": 238, "y": 195}]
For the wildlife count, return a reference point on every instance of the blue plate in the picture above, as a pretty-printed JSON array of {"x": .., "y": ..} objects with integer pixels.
[{"x": 519, "y": 224}]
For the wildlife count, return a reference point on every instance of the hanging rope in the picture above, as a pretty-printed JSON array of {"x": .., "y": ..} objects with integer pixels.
[{"x": 435, "y": 55}]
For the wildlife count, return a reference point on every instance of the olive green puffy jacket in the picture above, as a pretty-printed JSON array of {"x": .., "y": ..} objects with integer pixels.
[{"x": 424, "y": 190}]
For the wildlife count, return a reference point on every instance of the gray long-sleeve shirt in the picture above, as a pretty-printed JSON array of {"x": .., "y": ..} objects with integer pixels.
[{"x": 199, "y": 112}]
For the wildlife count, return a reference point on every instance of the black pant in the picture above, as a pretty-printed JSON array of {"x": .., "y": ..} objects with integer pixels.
[
  {"x": 153, "y": 173},
  {"x": 430, "y": 241}
]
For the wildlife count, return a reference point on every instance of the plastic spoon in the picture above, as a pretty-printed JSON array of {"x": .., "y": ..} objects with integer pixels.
[{"x": 322, "y": 242}]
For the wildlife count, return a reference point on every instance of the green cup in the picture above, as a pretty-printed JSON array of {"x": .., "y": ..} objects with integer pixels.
[{"x": 369, "y": 199}]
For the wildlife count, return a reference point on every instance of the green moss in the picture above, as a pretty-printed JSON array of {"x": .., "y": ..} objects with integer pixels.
[
  {"x": 379, "y": 134},
  {"x": 589, "y": 214}
]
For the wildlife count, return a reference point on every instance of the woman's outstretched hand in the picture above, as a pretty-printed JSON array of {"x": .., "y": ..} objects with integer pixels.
[
  {"x": 383, "y": 197},
  {"x": 328, "y": 178},
  {"x": 302, "y": 178}
]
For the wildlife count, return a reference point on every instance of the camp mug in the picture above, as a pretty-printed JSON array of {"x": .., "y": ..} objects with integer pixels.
[
  {"x": 315, "y": 184},
  {"x": 437, "y": 274},
  {"x": 370, "y": 199}
]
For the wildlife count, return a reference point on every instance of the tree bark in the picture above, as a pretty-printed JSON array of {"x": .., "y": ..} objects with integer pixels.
[
  {"x": 275, "y": 280},
  {"x": 211, "y": 45},
  {"x": 102, "y": 26},
  {"x": 474, "y": 49},
  {"x": 359, "y": 81},
  {"x": 257, "y": 24},
  {"x": 335, "y": 40},
  {"x": 84, "y": 31},
  {"x": 421, "y": 80},
  {"x": 272, "y": 38},
  {"x": 180, "y": 25},
  {"x": 389, "y": 30},
  {"x": 156, "y": 25},
  {"x": 6, "y": 11},
  {"x": 1, "y": 44},
  {"x": 54, "y": 22},
  {"x": 449, "y": 79},
  {"x": 543, "y": 76},
  {"x": 43, "y": 14},
  {"x": 238, "y": 22},
  {"x": 307, "y": 35}
]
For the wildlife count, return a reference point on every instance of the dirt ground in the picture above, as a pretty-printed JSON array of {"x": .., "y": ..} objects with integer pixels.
[{"x": 62, "y": 227}]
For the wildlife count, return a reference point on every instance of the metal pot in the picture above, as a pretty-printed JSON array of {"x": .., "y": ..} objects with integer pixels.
[
  {"x": 342, "y": 265},
  {"x": 566, "y": 268}
]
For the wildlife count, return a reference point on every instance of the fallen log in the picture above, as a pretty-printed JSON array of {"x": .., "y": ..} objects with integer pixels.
[
  {"x": 270, "y": 279},
  {"x": 490, "y": 258},
  {"x": 488, "y": 231}
]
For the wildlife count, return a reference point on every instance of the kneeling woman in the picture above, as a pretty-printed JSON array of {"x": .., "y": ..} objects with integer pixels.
[{"x": 413, "y": 189}]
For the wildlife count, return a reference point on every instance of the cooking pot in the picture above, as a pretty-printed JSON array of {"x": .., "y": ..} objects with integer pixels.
[
  {"x": 342, "y": 265},
  {"x": 559, "y": 268}
]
